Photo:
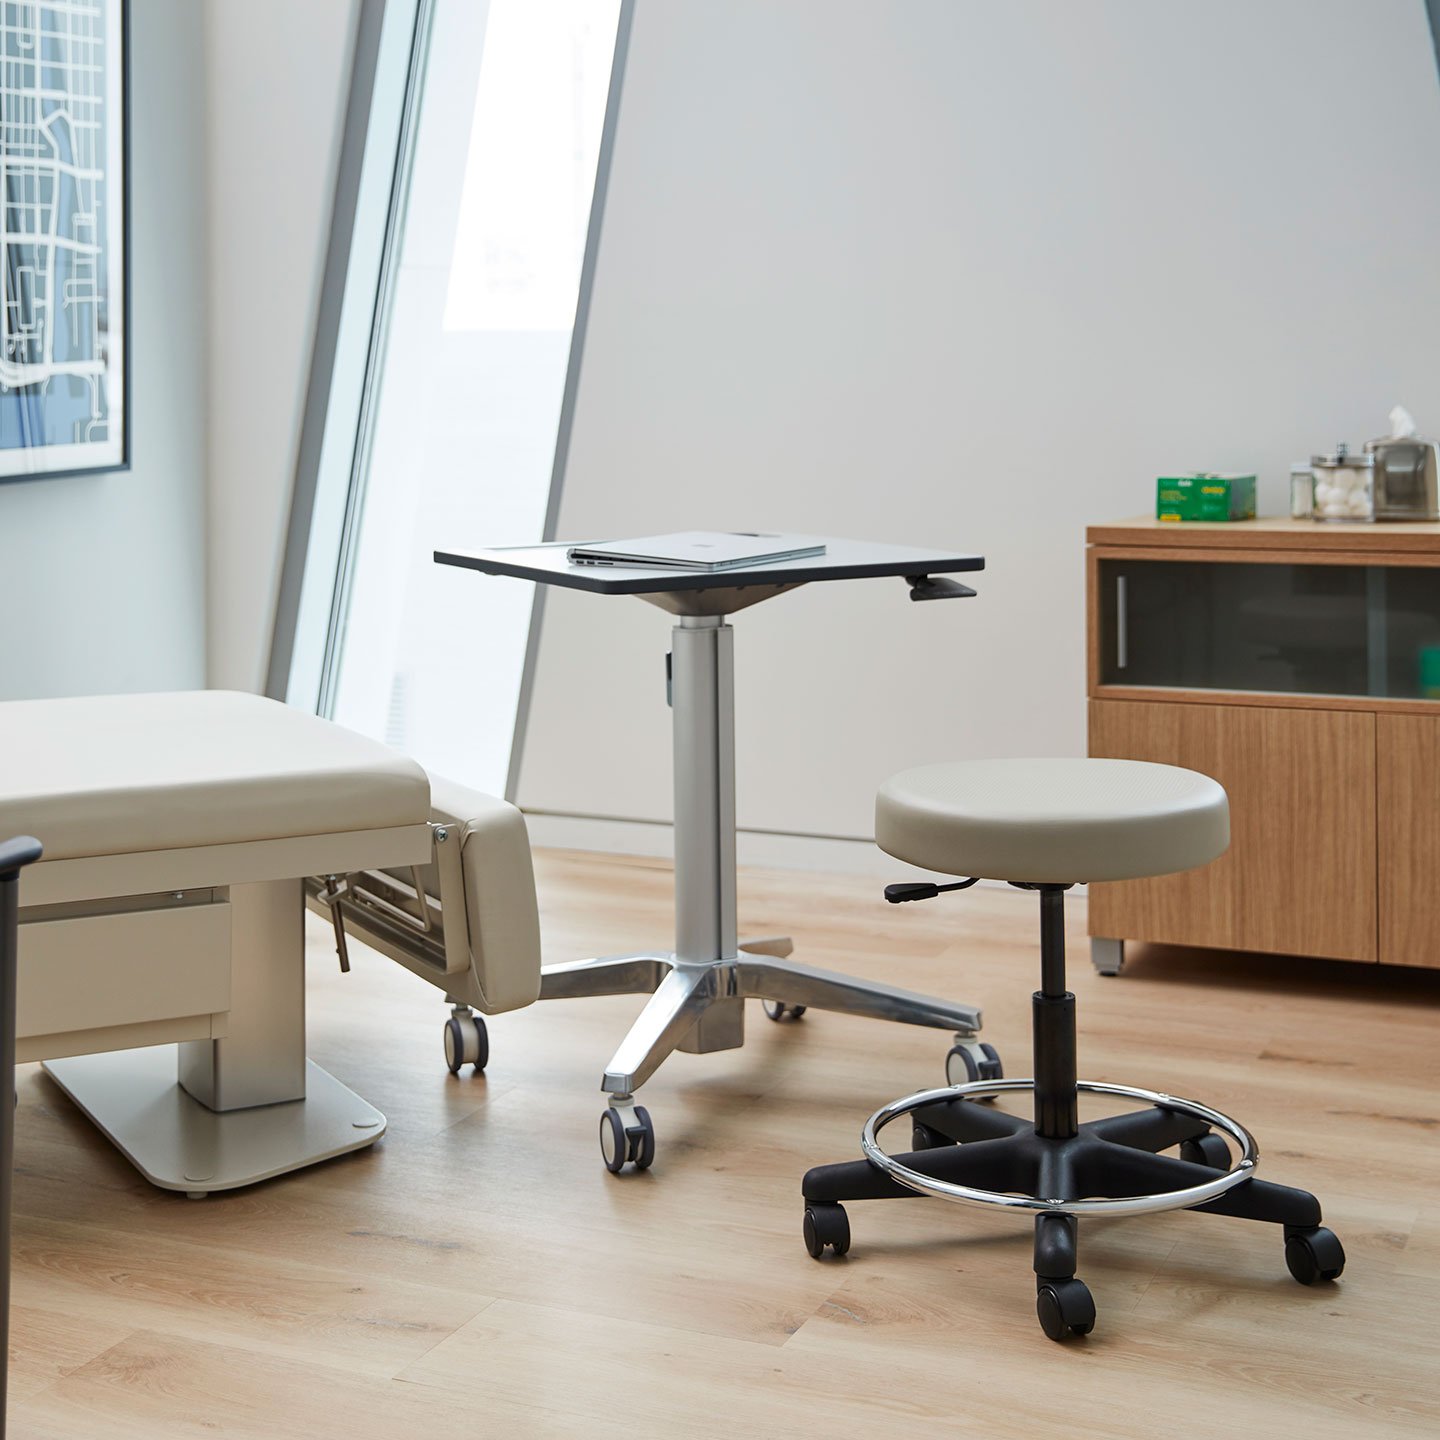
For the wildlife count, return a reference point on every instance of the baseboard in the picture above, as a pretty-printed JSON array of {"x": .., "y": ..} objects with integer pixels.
[{"x": 765, "y": 848}]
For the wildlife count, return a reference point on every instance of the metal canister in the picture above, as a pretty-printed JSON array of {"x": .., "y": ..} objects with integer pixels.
[{"x": 1405, "y": 478}]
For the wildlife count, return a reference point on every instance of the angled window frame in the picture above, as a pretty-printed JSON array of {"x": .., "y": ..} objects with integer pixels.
[{"x": 367, "y": 226}]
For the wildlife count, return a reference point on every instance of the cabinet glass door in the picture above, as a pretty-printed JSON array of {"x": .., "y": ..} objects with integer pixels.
[
  {"x": 1405, "y": 641},
  {"x": 1370, "y": 630}
]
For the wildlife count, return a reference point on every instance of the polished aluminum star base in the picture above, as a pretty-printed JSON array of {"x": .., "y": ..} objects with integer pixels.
[{"x": 699, "y": 1005}]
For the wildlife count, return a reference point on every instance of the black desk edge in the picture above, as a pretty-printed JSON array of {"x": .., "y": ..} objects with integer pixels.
[{"x": 799, "y": 574}]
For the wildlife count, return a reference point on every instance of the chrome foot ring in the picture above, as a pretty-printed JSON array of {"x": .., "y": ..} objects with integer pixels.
[{"x": 1244, "y": 1169}]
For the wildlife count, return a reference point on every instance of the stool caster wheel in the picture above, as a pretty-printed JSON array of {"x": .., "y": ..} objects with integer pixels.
[
  {"x": 1314, "y": 1255},
  {"x": 778, "y": 1010},
  {"x": 922, "y": 1137},
  {"x": 1065, "y": 1308},
  {"x": 627, "y": 1137},
  {"x": 467, "y": 1042},
  {"x": 971, "y": 1060},
  {"x": 1208, "y": 1150},
  {"x": 826, "y": 1225}
]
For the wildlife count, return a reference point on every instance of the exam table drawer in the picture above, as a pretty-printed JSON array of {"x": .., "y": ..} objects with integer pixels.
[{"x": 98, "y": 971}]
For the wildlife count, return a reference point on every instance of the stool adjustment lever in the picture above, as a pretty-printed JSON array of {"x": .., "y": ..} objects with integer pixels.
[{"x": 924, "y": 890}]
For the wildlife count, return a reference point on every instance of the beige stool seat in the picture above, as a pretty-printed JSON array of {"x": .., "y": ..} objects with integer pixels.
[{"x": 1052, "y": 821}]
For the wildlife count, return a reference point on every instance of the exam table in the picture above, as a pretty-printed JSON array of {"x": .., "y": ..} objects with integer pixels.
[{"x": 161, "y": 938}]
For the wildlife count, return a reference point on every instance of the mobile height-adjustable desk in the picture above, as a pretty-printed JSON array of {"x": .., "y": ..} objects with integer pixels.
[{"x": 700, "y": 987}]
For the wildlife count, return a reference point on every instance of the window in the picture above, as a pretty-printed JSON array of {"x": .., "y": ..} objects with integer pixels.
[{"x": 450, "y": 430}]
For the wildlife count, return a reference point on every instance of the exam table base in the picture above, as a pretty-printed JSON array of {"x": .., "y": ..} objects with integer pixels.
[
  {"x": 699, "y": 1005},
  {"x": 177, "y": 1143}
]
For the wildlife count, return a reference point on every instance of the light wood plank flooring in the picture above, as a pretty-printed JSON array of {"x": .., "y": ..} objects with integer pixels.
[{"x": 479, "y": 1274}]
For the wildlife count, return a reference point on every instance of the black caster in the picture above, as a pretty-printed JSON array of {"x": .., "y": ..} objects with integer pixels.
[
  {"x": 627, "y": 1137},
  {"x": 1065, "y": 1308},
  {"x": 1208, "y": 1150},
  {"x": 922, "y": 1137},
  {"x": 1314, "y": 1255},
  {"x": 971, "y": 1060},
  {"x": 826, "y": 1225},
  {"x": 467, "y": 1042},
  {"x": 778, "y": 1010}
]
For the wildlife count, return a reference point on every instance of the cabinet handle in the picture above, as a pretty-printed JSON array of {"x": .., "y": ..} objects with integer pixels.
[{"x": 1122, "y": 636}]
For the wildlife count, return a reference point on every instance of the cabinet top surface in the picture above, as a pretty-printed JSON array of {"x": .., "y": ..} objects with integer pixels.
[{"x": 1277, "y": 533}]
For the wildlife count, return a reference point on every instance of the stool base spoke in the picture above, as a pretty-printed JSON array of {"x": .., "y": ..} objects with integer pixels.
[
  {"x": 997, "y": 1164},
  {"x": 1152, "y": 1129},
  {"x": 964, "y": 1120}
]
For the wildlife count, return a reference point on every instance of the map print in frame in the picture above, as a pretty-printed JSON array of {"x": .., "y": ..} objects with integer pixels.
[{"x": 62, "y": 238}]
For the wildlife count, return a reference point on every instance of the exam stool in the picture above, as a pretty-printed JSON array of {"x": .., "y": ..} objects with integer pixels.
[{"x": 1044, "y": 825}]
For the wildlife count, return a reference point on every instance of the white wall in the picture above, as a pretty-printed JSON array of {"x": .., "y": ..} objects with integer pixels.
[
  {"x": 279, "y": 76},
  {"x": 102, "y": 578},
  {"x": 961, "y": 272}
]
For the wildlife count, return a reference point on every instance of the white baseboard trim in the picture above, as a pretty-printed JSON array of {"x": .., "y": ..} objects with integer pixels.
[
  {"x": 754, "y": 847},
  {"x": 764, "y": 848}
]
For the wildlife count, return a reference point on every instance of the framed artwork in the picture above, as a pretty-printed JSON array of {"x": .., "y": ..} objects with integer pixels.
[{"x": 64, "y": 400}]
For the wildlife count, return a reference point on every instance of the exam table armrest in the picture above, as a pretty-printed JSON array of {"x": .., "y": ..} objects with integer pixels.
[{"x": 467, "y": 921}]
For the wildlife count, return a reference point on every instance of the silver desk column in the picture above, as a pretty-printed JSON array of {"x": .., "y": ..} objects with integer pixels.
[{"x": 703, "y": 698}]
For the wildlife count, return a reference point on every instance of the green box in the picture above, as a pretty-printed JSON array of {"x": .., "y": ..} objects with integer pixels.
[{"x": 1205, "y": 497}]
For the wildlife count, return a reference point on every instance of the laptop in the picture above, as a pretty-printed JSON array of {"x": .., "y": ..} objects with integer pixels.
[{"x": 703, "y": 550}]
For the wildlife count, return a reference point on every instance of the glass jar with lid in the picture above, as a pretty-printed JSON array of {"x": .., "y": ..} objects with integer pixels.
[
  {"x": 1344, "y": 486},
  {"x": 1302, "y": 491}
]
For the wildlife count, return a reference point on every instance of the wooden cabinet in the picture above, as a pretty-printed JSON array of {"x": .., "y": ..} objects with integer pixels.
[
  {"x": 1299, "y": 876},
  {"x": 1407, "y": 755},
  {"x": 1293, "y": 662}
]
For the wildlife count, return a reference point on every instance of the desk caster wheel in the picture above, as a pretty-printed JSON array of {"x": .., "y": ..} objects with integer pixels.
[
  {"x": 778, "y": 1010},
  {"x": 1065, "y": 1308},
  {"x": 1314, "y": 1255},
  {"x": 826, "y": 1225},
  {"x": 971, "y": 1060},
  {"x": 627, "y": 1137},
  {"x": 1208, "y": 1150},
  {"x": 467, "y": 1042}
]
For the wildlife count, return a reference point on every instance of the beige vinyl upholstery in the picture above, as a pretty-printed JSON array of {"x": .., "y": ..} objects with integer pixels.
[
  {"x": 480, "y": 942},
  {"x": 1052, "y": 820},
  {"x": 120, "y": 774},
  {"x": 178, "y": 830},
  {"x": 502, "y": 918}
]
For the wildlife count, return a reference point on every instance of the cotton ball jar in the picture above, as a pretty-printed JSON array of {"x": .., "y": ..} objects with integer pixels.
[{"x": 1344, "y": 486}]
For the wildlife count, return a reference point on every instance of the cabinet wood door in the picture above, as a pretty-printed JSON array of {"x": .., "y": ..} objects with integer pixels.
[
  {"x": 1299, "y": 876},
  {"x": 1407, "y": 751}
]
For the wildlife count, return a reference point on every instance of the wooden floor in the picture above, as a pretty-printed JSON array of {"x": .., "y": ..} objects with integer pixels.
[{"x": 479, "y": 1274}]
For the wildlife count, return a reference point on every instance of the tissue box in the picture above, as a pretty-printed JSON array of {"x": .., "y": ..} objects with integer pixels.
[{"x": 1205, "y": 497}]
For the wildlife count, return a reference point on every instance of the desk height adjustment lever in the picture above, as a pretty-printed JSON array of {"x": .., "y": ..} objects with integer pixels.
[
  {"x": 936, "y": 587},
  {"x": 924, "y": 890}
]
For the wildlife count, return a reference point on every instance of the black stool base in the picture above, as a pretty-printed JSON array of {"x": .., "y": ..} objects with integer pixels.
[
  {"x": 1055, "y": 1158},
  {"x": 975, "y": 1145}
]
